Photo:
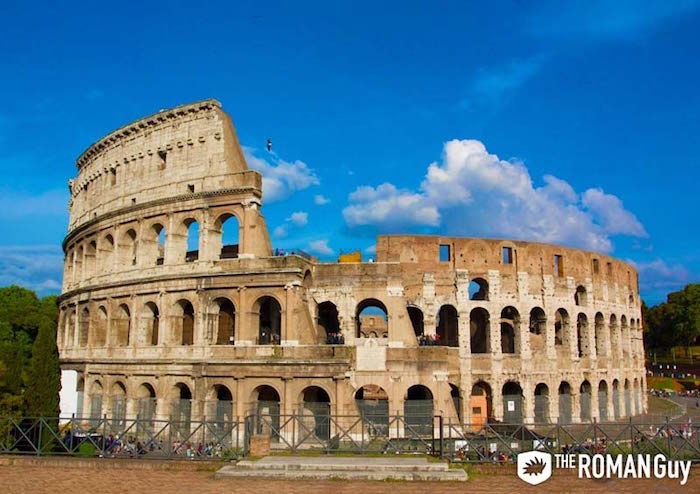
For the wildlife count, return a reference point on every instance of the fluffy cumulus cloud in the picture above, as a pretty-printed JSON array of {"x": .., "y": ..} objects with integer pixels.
[
  {"x": 280, "y": 178},
  {"x": 321, "y": 200},
  {"x": 299, "y": 218},
  {"x": 321, "y": 247},
  {"x": 39, "y": 267},
  {"x": 473, "y": 192}
]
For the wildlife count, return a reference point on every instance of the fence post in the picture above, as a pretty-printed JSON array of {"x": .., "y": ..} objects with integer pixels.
[
  {"x": 668, "y": 439},
  {"x": 41, "y": 433},
  {"x": 595, "y": 434},
  {"x": 631, "y": 438},
  {"x": 72, "y": 431},
  {"x": 442, "y": 444},
  {"x": 170, "y": 439}
]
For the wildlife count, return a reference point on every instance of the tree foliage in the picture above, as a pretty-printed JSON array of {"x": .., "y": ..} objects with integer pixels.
[{"x": 675, "y": 322}]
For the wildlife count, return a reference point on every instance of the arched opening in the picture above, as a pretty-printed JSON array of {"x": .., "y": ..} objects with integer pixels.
[
  {"x": 600, "y": 335},
  {"x": 90, "y": 253},
  {"x": 614, "y": 335},
  {"x": 118, "y": 406},
  {"x": 479, "y": 331},
  {"x": 95, "y": 401},
  {"x": 99, "y": 330},
  {"x": 183, "y": 333},
  {"x": 480, "y": 404},
  {"x": 106, "y": 253},
  {"x": 69, "y": 339},
  {"x": 269, "y": 321},
  {"x": 151, "y": 320},
  {"x": 80, "y": 396},
  {"x": 128, "y": 248},
  {"x": 78, "y": 256},
  {"x": 585, "y": 401},
  {"x": 416, "y": 317},
  {"x": 228, "y": 225},
  {"x": 624, "y": 334},
  {"x": 226, "y": 322},
  {"x": 84, "y": 327},
  {"x": 418, "y": 410},
  {"x": 456, "y": 401},
  {"x": 478, "y": 289},
  {"x": 192, "y": 249},
  {"x": 616, "y": 399},
  {"x": 181, "y": 407},
  {"x": 373, "y": 405},
  {"x": 541, "y": 403},
  {"x": 538, "y": 327},
  {"x": 221, "y": 406},
  {"x": 561, "y": 328},
  {"x": 316, "y": 411},
  {"x": 510, "y": 326},
  {"x": 512, "y": 403},
  {"x": 628, "y": 399},
  {"x": 371, "y": 316},
  {"x": 580, "y": 297},
  {"x": 582, "y": 335},
  {"x": 146, "y": 397},
  {"x": 154, "y": 245},
  {"x": 329, "y": 324},
  {"x": 603, "y": 401},
  {"x": 267, "y": 409},
  {"x": 565, "y": 403},
  {"x": 122, "y": 325},
  {"x": 447, "y": 332}
]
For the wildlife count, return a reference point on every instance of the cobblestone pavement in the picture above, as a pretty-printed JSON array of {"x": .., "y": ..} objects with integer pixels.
[{"x": 55, "y": 479}]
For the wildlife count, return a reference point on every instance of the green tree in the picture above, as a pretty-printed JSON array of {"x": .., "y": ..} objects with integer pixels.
[{"x": 43, "y": 378}]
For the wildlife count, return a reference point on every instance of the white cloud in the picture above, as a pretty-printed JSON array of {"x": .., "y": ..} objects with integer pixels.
[
  {"x": 320, "y": 200},
  {"x": 299, "y": 218},
  {"x": 321, "y": 247},
  {"x": 280, "y": 232},
  {"x": 656, "y": 275},
  {"x": 39, "y": 267},
  {"x": 472, "y": 192},
  {"x": 389, "y": 208},
  {"x": 281, "y": 178}
]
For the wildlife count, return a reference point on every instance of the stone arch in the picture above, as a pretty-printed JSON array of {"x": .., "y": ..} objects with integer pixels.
[
  {"x": 510, "y": 329},
  {"x": 599, "y": 324},
  {"x": 150, "y": 318},
  {"x": 603, "y": 400},
  {"x": 228, "y": 235},
  {"x": 372, "y": 403},
  {"x": 565, "y": 403},
  {"x": 616, "y": 399},
  {"x": 481, "y": 403},
  {"x": 418, "y": 409},
  {"x": 614, "y": 335},
  {"x": 580, "y": 296},
  {"x": 181, "y": 405},
  {"x": 96, "y": 399},
  {"x": 456, "y": 396},
  {"x": 538, "y": 329},
  {"x": 315, "y": 410},
  {"x": 122, "y": 325},
  {"x": 105, "y": 253},
  {"x": 478, "y": 289},
  {"x": 541, "y": 403},
  {"x": 70, "y": 328},
  {"x": 512, "y": 394},
  {"x": 192, "y": 240},
  {"x": 80, "y": 393},
  {"x": 128, "y": 248},
  {"x": 99, "y": 328},
  {"x": 415, "y": 315},
  {"x": 269, "y": 313},
  {"x": 624, "y": 335},
  {"x": 585, "y": 401},
  {"x": 562, "y": 329},
  {"x": 267, "y": 409},
  {"x": 329, "y": 324},
  {"x": 226, "y": 321},
  {"x": 90, "y": 259},
  {"x": 479, "y": 330},
  {"x": 84, "y": 327},
  {"x": 447, "y": 331},
  {"x": 183, "y": 330},
  {"x": 118, "y": 397},
  {"x": 582, "y": 335},
  {"x": 78, "y": 256},
  {"x": 153, "y": 244},
  {"x": 146, "y": 398},
  {"x": 220, "y": 401},
  {"x": 371, "y": 314}
]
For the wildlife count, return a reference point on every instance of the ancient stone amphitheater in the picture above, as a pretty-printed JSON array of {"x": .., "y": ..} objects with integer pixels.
[{"x": 470, "y": 329}]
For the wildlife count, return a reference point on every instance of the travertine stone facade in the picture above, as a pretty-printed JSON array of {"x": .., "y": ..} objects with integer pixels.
[{"x": 484, "y": 328}]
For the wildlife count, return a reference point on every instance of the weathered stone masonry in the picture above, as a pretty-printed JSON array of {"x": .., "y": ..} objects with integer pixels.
[{"x": 147, "y": 321}]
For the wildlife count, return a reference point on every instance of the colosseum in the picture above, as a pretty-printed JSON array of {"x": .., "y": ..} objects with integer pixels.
[{"x": 473, "y": 330}]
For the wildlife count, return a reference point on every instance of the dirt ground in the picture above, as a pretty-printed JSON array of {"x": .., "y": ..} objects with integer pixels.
[{"x": 50, "y": 478}]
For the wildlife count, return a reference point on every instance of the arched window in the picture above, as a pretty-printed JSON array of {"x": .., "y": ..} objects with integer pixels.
[
  {"x": 84, "y": 327},
  {"x": 479, "y": 331},
  {"x": 480, "y": 404},
  {"x": 512, "y": 403},
  {"x": 221, "y": 406},
  {"x": 151, "y": 322},
  {"x": 316, "y": 404},
  {"x": 448, "y": 326},
  {"x": 99, "y": 329},
  {"x": 541, "y": 403},
  {"x": 146, "y": 397},
  {"x": 122, "y": 325},
  {"x": 118, "y": 406},
  {"x": 192, "y": 252},
  {"x": 600, "y": 335},
  {"x": 226, "y": 322},
  {"x": 128, "y": 248},
  {"x": 582, "y": 335},
  {"x": 267, "y": 401},
  {"x": 478, "y": 289},
  {"x": 565, "y": 403},
  {"x": 184, "y": 323},
  {"x": 181, "y": 410},
  {"x": 580, "y": 297},
  {"x": 418, "y": 409},
  {"x": 371, "y": 316},
  {"x": 561, "y": 328},
  {"x": 227, "y": 224},
  {"x": 603, "y": 401},
  {"x": 328, "y": 324},
  {"x": 510, "y": 326},
  {"x": 95, "y": 402},
  {"x": 373, "y": 405},
  {"x": 585, "y": 401},
  {"x": 269, "y": 321}
]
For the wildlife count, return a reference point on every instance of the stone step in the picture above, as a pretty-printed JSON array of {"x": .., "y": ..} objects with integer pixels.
[
  {"x": 337, "y": 466},
  {"x": 231, "y": 471}
]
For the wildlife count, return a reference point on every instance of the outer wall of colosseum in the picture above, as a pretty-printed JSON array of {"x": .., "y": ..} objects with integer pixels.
[{"x": 483, "y": 328}]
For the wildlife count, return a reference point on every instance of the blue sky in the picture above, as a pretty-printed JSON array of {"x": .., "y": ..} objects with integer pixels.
[{"x": 576, "y": 123}]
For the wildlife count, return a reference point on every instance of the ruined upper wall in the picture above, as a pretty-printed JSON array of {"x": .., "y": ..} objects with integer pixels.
[
  {"x": 419, "y": 254},
  {"x": 188, "y": 149}
]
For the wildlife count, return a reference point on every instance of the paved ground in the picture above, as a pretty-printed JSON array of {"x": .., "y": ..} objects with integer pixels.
[{"x": 56, "y": 479}]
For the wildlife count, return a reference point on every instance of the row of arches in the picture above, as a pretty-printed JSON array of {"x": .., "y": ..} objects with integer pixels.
[
  {"x": 99, "y": 328},
  {"x": 152, "y": 246}
]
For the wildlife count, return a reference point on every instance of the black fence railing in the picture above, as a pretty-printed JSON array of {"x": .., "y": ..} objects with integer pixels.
[{"x": 315, "y": 429}]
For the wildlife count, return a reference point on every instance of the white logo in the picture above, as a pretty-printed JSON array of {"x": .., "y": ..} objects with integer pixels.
[{"x": 534, "y": 467}]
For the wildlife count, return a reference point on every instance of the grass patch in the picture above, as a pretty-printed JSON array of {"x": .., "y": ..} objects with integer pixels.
[{"x": 664, "y": 383}]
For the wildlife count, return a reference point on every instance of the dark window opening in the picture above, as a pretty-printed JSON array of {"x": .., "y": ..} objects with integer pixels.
[
  {"x": 596, "y": 266},
  {"x": 163, "y": 159},
  {"x": 113, "y": 177},
  {"x": 558, "y": 265},
  {"x": 190, "y": 187}
]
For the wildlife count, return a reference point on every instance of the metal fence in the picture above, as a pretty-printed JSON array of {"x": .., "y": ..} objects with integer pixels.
[{"x": 373, "y": 431}]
